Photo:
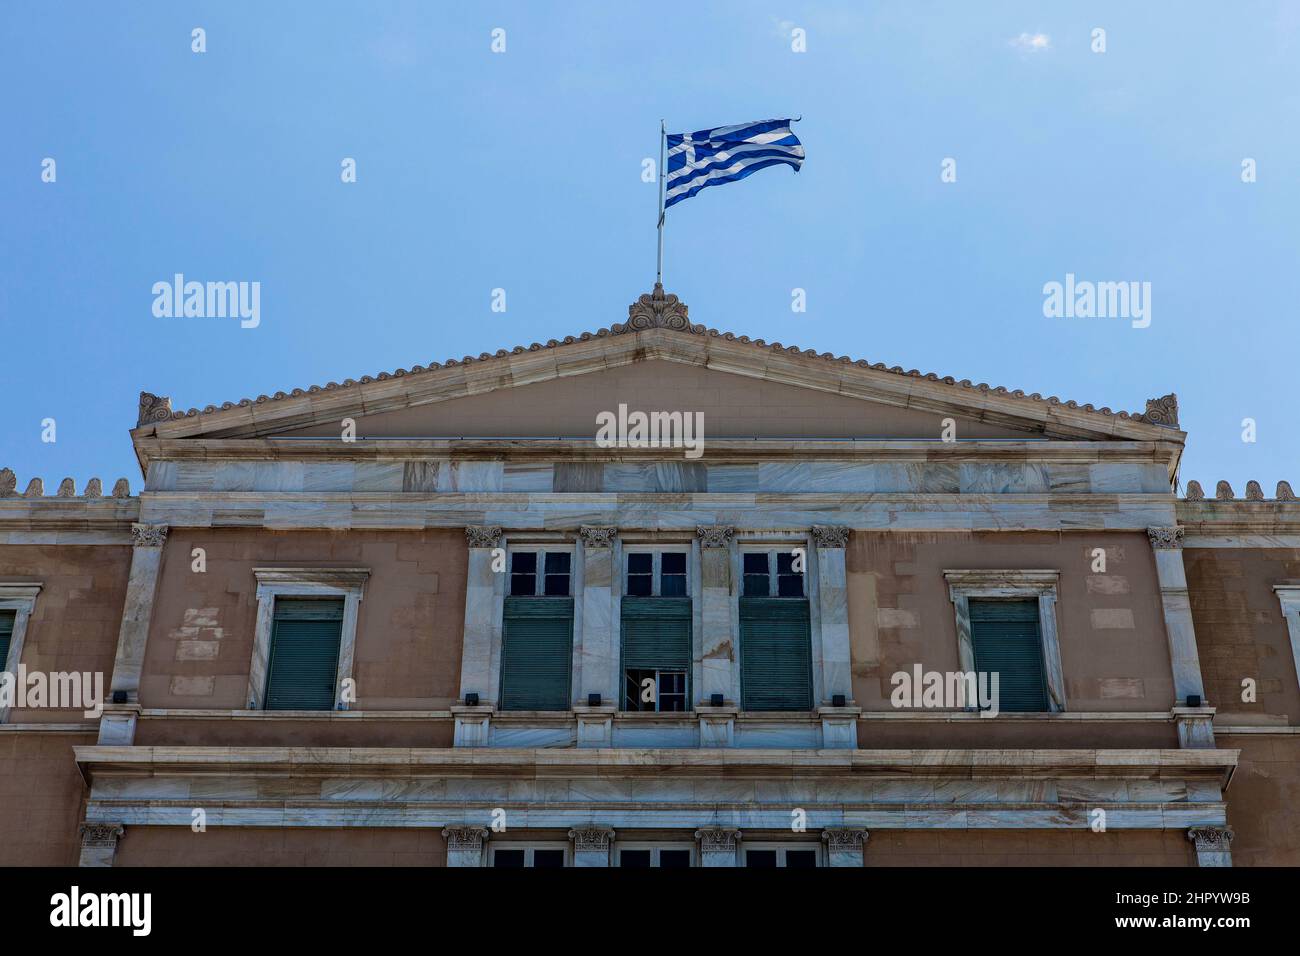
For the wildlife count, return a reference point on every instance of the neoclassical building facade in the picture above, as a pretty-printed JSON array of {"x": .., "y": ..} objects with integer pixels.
[{"x": 428, "y": 618}]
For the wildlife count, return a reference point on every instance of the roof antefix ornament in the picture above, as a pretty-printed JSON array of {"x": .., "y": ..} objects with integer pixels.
[
  {"x": 658, "y": 310},
  {"x": 153, "y": 408},
  {"x": 1162, "y": 411}
]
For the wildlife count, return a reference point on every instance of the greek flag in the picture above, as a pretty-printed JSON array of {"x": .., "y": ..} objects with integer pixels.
[{"x": 711, "y": 157}]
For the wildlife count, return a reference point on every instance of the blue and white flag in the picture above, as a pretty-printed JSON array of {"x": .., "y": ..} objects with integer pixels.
[{"x": 727, "y": 154}]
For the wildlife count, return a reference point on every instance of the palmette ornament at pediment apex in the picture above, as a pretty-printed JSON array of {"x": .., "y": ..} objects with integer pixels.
[{"x": 657, "y": 310}]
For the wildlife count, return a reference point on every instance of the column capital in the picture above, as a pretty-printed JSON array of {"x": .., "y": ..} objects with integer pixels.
[
  {"x": 591, "y": 838},
  {"x": 717, "y": 839},
  {"x": 715, "y": 536},
  {"x": 1165, "y": 539},
  {"x": 148, "y": 535},
  {"x": 484, "y": 536},
  {"x": 594, "y": 536},
  {"x": 830, "y": 536},
  {"x": 1211, "y": 839},
  {"x": 465, "y": 838},
  {"x": 101, "y": 834},
  {"x": 837, "y": 838}
]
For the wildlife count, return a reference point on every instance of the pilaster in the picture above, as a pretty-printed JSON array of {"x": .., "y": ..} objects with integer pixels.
[
  {"x": 844, "y": 846},
  {"x": 718, "y": 653},
  {"x": 1213, "y": 845},
  {"x": 718, "y": 846},
  {"x": 1167, "y": 545},
  {"x": 598, "y": 673},
  {"x": 137, "y": 612},
  {"x": 99, "y": 843},
  {"x": 484, "y": 592},
  {"x": 833, "y": 605},
  {"x": 591, "y": 845},
  {"x": 465, "y": 845}
]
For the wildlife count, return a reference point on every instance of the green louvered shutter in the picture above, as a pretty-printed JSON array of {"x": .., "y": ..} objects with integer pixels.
[
  {"x": 6, "y": 634},
  {"x": 775, "y": 654},
  {"x": 537, "y": 653},
  {"x": 304, "y": 662},
  {"x": 1007, "y": 642},
  {"x": 656, "y": 633}
]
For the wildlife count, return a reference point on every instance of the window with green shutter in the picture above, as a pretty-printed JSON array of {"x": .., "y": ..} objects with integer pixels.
[
  {"x": 537, "y": 653},
  {"x": 6, "y": 634},
  {"x": 304, "y": 659},
  {"x": 656, "y": 653},
  {"x": 1008, "y": 642},
  {"x": 775, "y": 654}
]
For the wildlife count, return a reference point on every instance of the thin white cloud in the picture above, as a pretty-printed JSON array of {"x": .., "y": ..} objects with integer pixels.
[{"x": 1031, "y": 42}]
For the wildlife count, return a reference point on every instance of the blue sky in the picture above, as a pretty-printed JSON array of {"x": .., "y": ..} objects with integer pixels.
[{"x": 521, "y": 171}]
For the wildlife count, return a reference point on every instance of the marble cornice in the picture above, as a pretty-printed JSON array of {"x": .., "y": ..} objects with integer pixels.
[
  {"x": 718, "y": 351},
  {"x": 70, "y": 514},
  {"x": 95, "y": 761},
  {"x": 1211, "y": 517},
  {"x": 716, "y": 450}
]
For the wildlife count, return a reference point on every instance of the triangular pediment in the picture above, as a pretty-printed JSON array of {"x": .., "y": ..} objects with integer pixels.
[{"x": 658, "y": 361}]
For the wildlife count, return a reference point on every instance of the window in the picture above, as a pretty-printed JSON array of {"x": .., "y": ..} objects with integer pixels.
[
  {"x": 529, "y": 857},
  {"x": 1006, "y": 624},
  {"x": 302, "y": 670},
  {"x": 775, "y": 856},
  {"x": 1007, "y": 643},
  {"x": 305, "y": 638},
  {"x": 6, "y": 635},
  {"x": 17, "y": 601},
  {"x": 656, "y": 632},
  {"x": 655, "y": 573},
  {"x": 645, "y": 856},
  {"x": 775, "y": 632},
  {"x": 540, "y": 573},
  {"x": 772, "y": 574}
]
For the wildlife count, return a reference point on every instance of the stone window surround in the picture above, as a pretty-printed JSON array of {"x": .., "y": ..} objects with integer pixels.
[
  {"x": 493, "y": 847},
  {"x": 1288, "y": 595},
  {"x": 299, "y": 582},
  {"x": 657, "y": 549},
  {"x": 1041, "y": 584},
  {"x": 811, "y": 842},
  {"x": 653, "y": 846},
  {"x": 747, "y": 545},
  {"x": 19, "y": 597},
  {"x": 542, "y": 548}
]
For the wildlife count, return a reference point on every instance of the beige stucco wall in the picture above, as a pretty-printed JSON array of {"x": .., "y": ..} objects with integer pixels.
[
  {"x": 1240, "y": 631},
  {"x": 77, "y": 615},
  {"x": 733, "y": 406},
  {"x": 1114, "y": 652},
  {"x": 409, "y": 628},
  {"x": 41, "y": 798}
]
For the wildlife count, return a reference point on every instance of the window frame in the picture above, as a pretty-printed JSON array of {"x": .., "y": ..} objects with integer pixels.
[
  {"x": 1040, "y": 584},
  {"x": 19, "y": 597},
  {"x": 773, "y": 571},
  {"x": 530, "y": 849},
  {"x": 657, "y": 551},
  {"x": 659, "y": 692},
  {"x": 781, "y": 848},
  {"x": 541, "y": 549},
  {"x": 347, "y": 583},
  {"x": 1288, "y": 596},
  {"x": 654, "y": 848}
]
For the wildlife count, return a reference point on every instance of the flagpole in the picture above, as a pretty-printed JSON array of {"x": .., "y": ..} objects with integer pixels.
[{"x": 663, "y": 162}]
